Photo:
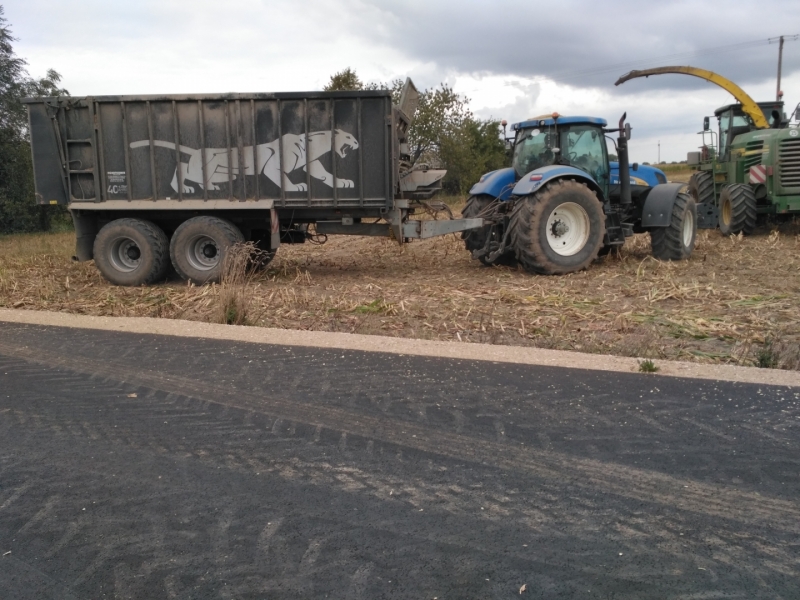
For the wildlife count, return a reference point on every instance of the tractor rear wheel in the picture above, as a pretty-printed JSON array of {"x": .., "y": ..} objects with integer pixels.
[
  {"x": 131, "y": 252},
  {"x": 559, "y": 229},
  {"x": 676, "y": 241},
  {"x": 475, "y": 239},
  {"x": 701, "y": 187},
  {"x": 737, "y": 209}
]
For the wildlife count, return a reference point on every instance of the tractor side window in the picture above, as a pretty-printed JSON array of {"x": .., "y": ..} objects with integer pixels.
[
  {"x": 533, "y": 149},
  {"x": 584, "y": 149}
]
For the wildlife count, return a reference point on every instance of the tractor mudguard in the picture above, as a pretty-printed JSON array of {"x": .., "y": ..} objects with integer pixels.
[
  {"x": 657, "y": 204},
  {"x": 497, "y": 184},
  {"x": 538, "y": 178}
]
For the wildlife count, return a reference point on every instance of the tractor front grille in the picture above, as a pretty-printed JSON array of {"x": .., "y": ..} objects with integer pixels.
[
  {"x": 789, "y": 161},
  {"x": 752, "y": 154}
]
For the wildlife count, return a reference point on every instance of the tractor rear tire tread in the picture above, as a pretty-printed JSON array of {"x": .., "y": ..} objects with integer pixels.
[{"x": 528, "y": 228}]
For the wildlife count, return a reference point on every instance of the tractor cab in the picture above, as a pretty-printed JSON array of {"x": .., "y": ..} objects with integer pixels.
[
  {"x": 734, "y": 121},
  {"x": 569, "y": 141}
]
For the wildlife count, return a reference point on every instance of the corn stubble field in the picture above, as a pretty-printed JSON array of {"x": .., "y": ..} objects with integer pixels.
[{"x": 736, "y": 301}]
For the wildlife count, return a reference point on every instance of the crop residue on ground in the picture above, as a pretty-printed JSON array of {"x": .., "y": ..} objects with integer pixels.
[{"x": 736, "y": 301}]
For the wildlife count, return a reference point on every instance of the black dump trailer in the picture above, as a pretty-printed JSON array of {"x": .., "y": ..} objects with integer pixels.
[{"x": 151, "y": 180}]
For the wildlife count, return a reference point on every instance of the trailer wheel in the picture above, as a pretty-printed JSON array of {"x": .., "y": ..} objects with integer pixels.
[
  {"x": 558, "y": 230},
  {"x": 199, "y": 245},
  {"x": 737, "y": 209},
  {"x": 131, "y": 252},
  {"x": 676, "y": 241},
  {"x": 475, "y": 239},
  {"x": 701, "y": 187}
]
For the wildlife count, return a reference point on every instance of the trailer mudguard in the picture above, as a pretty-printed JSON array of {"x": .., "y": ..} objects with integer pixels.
[
  {"x": 85, "y": 232},
  {"x": 495, "y": 183},
  {"x": 538, "y": 178},
  {"x": 657, "y": 205}
]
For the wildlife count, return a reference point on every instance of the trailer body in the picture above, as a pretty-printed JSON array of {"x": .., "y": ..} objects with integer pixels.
[{"x": 269, "y": 164}]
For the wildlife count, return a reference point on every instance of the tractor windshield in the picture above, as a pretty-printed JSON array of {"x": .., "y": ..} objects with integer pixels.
[{"x": 582, "y": 146}]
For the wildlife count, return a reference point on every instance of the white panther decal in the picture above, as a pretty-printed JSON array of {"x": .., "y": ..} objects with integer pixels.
[{"x": 295, "y": 155}]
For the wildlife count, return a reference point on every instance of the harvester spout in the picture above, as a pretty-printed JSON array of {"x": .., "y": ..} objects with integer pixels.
[{"x": 749, "y": 105}]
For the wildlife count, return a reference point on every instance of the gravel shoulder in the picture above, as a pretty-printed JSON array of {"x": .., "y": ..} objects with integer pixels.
[{"x": 394, "y": 345}]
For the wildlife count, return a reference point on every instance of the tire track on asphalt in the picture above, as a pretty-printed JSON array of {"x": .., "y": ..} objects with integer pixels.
[
  {"x": 226, "y": 445},
  {"x": 629, "y": 482}
]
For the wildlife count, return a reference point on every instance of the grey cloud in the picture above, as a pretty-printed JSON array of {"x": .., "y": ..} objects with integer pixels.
[{"x": 590, "y": 44}]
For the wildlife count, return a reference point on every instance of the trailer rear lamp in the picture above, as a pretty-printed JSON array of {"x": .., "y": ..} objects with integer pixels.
[{"x": 536, "y": 177}]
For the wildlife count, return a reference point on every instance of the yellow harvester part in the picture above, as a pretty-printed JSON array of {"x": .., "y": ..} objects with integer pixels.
[{"x": 749, "y": 105}]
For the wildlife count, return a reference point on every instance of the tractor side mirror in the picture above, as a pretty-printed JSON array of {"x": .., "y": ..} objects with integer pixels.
[
  {"x": 627, "y": 131},
  {"x": 706, "y": 124}
]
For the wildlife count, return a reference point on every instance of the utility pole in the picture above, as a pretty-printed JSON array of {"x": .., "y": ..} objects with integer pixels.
[
  {"x": 778, "y": 93},
  {"x": 659, "y": 151}
]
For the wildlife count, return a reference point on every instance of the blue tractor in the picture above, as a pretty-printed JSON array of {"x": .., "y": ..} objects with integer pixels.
[{"x": 559, "y": 205}]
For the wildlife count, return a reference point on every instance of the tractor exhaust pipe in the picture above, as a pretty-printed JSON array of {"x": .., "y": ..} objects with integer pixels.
[{"x": 624, "y": 168}]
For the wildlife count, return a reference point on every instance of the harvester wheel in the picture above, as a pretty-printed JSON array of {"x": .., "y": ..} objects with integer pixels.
[
  {"x": 737, "y": 209},
  {"x": 559, "y": 229},
  {"x": 131, "y": 252},
  {"x": 475, "y": 239},
  {"x": 199, "y": 246},
  {"x": 676, "y": 241},
  {"x": 701, "y": 187}
]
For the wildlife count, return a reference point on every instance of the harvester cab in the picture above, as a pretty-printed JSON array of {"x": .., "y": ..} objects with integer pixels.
[
  {"x": 733, "y": 121},
  {"x": 755, "y": 167},
  {"x": 557, "y": 207}
]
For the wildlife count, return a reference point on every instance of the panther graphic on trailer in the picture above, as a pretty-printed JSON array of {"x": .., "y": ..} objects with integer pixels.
[{"x": 296, "y": 153}]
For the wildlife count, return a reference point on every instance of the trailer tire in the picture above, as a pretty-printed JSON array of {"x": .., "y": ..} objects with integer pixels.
[
  {"x": 199, "y": 245},
  {"x": 475, "y": 239},
  {"x": 131, "y": 252},
  {"x": 737, "y": 209},
  {"x": 558, "y": 230},
  {"x": 677, "y": 240},
  {"x": 701, "y": 187}
]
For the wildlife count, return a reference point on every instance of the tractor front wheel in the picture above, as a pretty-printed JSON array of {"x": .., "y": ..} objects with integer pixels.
[
  {"x": 737, "y": 209},
  {"x": 559, "y": 229},
  {"x": 676, "y": 241}
]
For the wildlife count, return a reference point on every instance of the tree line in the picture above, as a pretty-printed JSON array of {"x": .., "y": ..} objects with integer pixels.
[{"x": 18, "y": 210}]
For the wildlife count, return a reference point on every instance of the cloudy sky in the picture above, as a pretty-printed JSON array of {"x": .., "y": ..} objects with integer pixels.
[{"x": 513, "y": 59}]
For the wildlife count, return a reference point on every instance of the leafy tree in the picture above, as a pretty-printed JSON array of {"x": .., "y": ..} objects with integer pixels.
[
  {"x": 18, "y": 211},
  {"x": 475, "y": 149},
  {"x": 444, "y": 132},
  {"x": 343, "y": 81}
]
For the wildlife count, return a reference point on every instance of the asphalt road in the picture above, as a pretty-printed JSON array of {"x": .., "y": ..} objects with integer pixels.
[{"x": 136, "y": 466}]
